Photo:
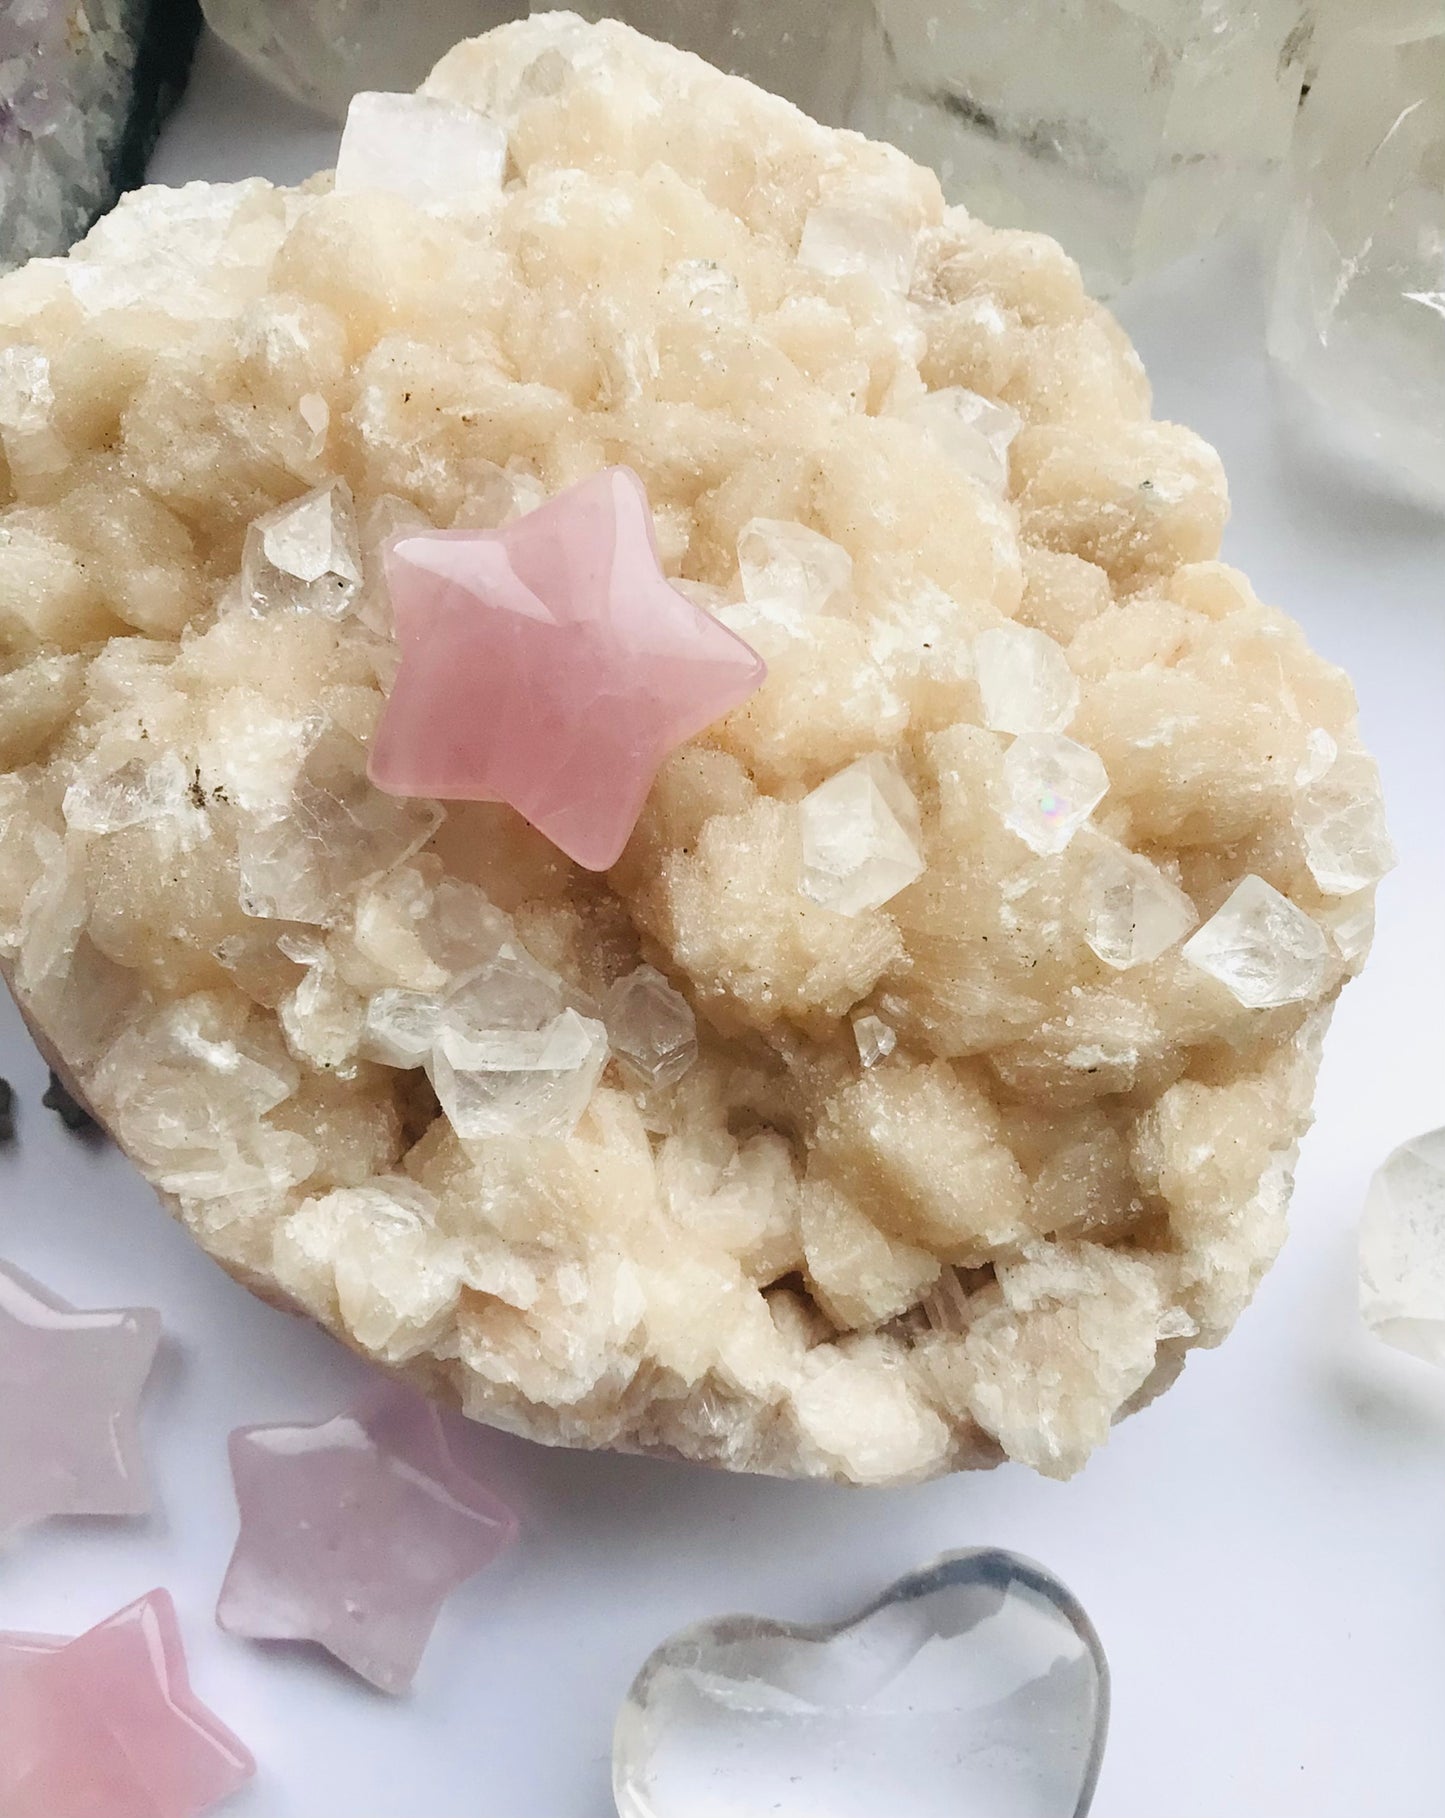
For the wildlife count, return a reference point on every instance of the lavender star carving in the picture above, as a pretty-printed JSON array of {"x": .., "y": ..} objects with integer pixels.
[
  {"x": 354, "y": 1533},
  {"x": 551, "y": 666},
  {"x": 107, "y": 1726},
  {"x": 70, "y": 1387}
]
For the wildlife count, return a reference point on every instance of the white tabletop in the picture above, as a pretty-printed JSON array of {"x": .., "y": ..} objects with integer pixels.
[{"x": 1263, "y": 1551}]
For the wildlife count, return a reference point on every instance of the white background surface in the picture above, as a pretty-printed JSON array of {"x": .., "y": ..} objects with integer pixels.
[{"x": 1263, "y": 1551}]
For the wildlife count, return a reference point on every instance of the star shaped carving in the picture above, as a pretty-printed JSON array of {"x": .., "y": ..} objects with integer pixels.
[
  {"x": 108, "y": 1725},
  {"x": 70, "y": 1388},
  {"x": 551, "y": 665},
  {"x": 354, "y": 1533}
]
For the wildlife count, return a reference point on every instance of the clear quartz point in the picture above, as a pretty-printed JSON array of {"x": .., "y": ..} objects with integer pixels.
[
  {"x": 305, "y": 556},
  {"x": 518, "y": 1082},
  {"x": 853, "y": 236},
  {"x": 1051, "y": 785},
  {"x": 787, "y": 568},
  {"x": 1133, "y": 913},
  {"x": 1262, "y": 947},
  {"x": 976, "y": 1688},
  {"x": 1402, "y": 1249},
  {"x": 974, "y": 432},
  {"x": 1024, "y": 680},
  {"x": 651, "y": 1027},
  {"x": 861, "y": 837},
  {"x": 876, "y": 1039}
]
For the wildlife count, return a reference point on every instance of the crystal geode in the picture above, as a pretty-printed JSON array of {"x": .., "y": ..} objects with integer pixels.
[{"x": 924, "y": 1080}]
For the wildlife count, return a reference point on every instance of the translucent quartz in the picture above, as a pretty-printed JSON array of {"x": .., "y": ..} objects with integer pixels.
[
  {"x": 876, "y": 1039},
  {"x": 519, "y": 1082},
  {"x": 974, "y": 432},
  {"x": 70, "y": 1389},
  {"x": 304, "y": 557},
  {"x": 1264, "y": 948},
  {"x": 862, "y": 842},
  {"x": 1025, "y": 683},
  {"x": 565, "y": 713},
  {"x": 137, "y": 793},
  {"x": 1402, "y": 1249},
  {"x": 1133, "y": 913},
  {"x": 651, "y": 1027},
  {"x": 848, "y": 237},
  {"x": 1129, "y": 132},
  {"x": 1051, "y": 786},
  {"x": 427, "y": 150},
  {"x": 28, "y": 435},
  {"x": 401, "y": 1027},
  {"x": 336, "y": 832},
  {"x": 974, "y": 1689},
  {"x": 1341, "y": 819},
  {"x": 354, "y": 1533},
  {"x": 108, "y": 1725},
  {"x": 1357, "y": 315},
  {"x": 789, "y": 570}
]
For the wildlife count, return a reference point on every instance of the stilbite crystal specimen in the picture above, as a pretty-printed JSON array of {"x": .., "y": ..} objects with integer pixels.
[
  {"x": 979, "y": 1684},
  {"x": 390, "y": 1059},
  {"x": 354, "y": 1533},
  {"x": 109, "y": 1723},
  {"x": 70, "y": 1388},
  {"x": 1402, "y": 1249}
]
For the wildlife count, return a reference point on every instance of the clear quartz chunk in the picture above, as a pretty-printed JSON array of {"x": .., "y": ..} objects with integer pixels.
[
  {"x": 876, "y": 1039},
  {"x": 518, "y": 1082},
  {"x": 305, "y": 556},
  {"x": 425, "y": 149},
  {"x": 1024, "y": 680},
  {"x": 1051, "y": 785},
  {"x": 789, "y": 570},
  {"x": 401, "y": 1027},
  {"x": 1129, "y": 132},
  {"x": 136, "y": 793},
  {"x": 978, "y": 1685},
  {"x": 1133, "y": 912},
  {"x": 1262, "y": 947},
  {"x": 859, "y": 235},
  {"x": 1341, "y": 819},
  {"x": 1357, "y": 318},
  {"x": 651, "y": 1027},
  {"x": 974, "y": 432},
  {"x": 862, "y": 841},
  {"x": 1402, "y": 1249}
]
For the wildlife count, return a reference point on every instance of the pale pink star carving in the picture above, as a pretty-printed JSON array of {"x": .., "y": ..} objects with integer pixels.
[
  {"x": 354, "y": 1533},
  {"x": 551, "y": 666},
  {"x": 107, "y": 1726},
  {"x": 70, "y": 1387}
]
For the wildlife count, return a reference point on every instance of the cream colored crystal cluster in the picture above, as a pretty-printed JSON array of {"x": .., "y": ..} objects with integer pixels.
[{"x": 924, "y": 1080}]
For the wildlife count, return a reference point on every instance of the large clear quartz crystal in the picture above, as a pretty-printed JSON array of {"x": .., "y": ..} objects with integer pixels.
[
  {"x": 1051, "y": 785},
  {"x": 861, "y": 837},
  {"x": 518, "y": 1082},
  {"x": 305, "y": 556},
  {"x": 1402, "y": 1249},
  {"x": 1130, "y": 132},
  {"x": 975, "y": 1689},
  {"x": 1262, "y": 947},
  {"x": 651, "y": 1027},
  {"x": 1358, "y": 315},
  {"x": 1133, "y": 912},
  {"x": 83, "y": 89}
]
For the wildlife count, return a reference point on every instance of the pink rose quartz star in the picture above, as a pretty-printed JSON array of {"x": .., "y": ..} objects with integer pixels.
[
  {"x": 551, "y": 666},
  {"x": 353, "y": 1534},
  {"x": 70, "y": 1386},
  {"x": 107, "y": 1726}
]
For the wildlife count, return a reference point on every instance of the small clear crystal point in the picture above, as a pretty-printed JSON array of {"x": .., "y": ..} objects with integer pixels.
[
  {"x": 862, "y": 841},
  {"x": 973, "y": 431},
  {"x": 1262, "y": 947},
  {"x": 428, "y": 150},
  {"x": 304, "y": 557},
  {"x": 1025, "y": 683},
  {"x": 1133, "y": 912},
  {"x": 1051, "y": 785},
  {"x": 848, "y": 237},
  {"x": 791, "y": 570},
  {"x": 876, "y": 1039},
  {"x": 1402, "y": 1249},
  {"x": 651, "y": 1027}
]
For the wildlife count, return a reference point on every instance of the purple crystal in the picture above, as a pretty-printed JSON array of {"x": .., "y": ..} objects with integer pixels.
[
  {"x": 70, "y": 1387},
  {"x": 354, "y": 1533}
]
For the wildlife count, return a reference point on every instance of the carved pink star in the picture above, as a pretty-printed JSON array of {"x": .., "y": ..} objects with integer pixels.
[
  {"x": 107, "y": 1726},
  {"x": 70, "y": 1387},
  {"x": 354, "y": 1533},
  {"x": 551, "y": 666}
]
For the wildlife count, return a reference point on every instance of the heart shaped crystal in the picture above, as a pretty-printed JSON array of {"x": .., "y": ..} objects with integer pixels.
[{"x": 975, "y": 1688}]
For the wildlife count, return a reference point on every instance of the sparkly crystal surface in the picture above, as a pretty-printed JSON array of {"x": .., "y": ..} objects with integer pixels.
[
  {"x": 1129, "y": 132},
  {"x": 1135, "y": 912},
  {"x": 1051, "y": 785},
  {"x": 70, "y": 1388},
  {"x": 354, "y": 1533},
  {"x": 789, "y": 571},
  {"x": 108, "y": 1725},
  {"x": 861, "y": 837},
  {"x": 1357, "y": 317},
  {"x": 304, "y": 557},
  {"x": 1263, "y": 947},
  {"x": 975, "y": 433},
  {"x": 519, "y": 1082},
  {"x": 651, "y": 1027},
  {"x": 549, "y": 665},
  {"x": 978, "y": 1684},
  {"x": 876, "y": 1039},
  {"x": 430, "y": 151},
  {"x": 1402, "y": 1249},
  {"x": 1025, "y": 683},
  {"x": 858, "y": 236}
]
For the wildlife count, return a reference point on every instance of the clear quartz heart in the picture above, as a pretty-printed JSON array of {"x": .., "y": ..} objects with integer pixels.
[{"x": 975, "y": 1688}]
